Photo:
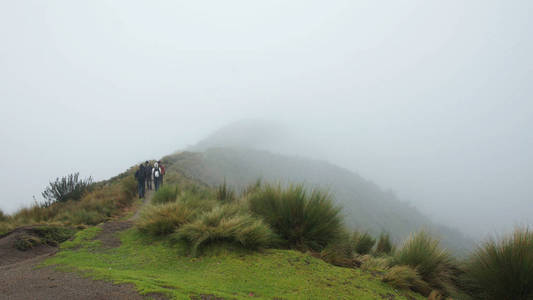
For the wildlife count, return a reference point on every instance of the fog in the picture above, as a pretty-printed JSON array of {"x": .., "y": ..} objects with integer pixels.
[{"x": 433, "y": 100}]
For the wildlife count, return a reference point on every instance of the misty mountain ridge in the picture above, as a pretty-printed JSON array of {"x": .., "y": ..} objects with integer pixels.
[{"x": 245, "y": 151}]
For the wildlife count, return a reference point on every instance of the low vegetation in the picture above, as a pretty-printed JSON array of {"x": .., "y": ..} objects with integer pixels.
[
  {"x": 225, "y": 194},
  {"x": 302, "y": 219},
  {"x": 341, "y": 252},
  {"x": 66, "y": 188},
  {"x": 363, "y": 242},
  {"x": 165, "y": 194},
  {"x": 502, "y": 269},
  {"x": 163, "y": 219},
  {"x": 406, "y": 277},
  {"x": 434, "y": 264},
  {"x": 43, "y": 235},
  {"x": 104, "y": 201},
  {"x": 222, "y": 272},
  {"x": 384, "y": 245},
  {"x": 225, "y": 224}
]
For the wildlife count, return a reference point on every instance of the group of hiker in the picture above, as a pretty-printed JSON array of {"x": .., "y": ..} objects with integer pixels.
[{"x": 147, "y": 174}]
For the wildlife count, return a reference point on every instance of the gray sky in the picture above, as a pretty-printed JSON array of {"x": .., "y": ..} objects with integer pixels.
[{"x": 432, "y": 99}]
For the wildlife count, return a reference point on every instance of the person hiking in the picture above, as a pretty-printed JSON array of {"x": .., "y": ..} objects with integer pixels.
[
  {"x": 162, "y": 172},
  {"x": 148, "y": 175},
  {"x": 140, "y": 176},
  {"x": 156, "y": 173}
]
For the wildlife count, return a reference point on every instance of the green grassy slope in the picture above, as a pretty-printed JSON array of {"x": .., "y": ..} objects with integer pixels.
[
  {"x": 156, "y": 267},
  {"x": 365, "y": 205}
]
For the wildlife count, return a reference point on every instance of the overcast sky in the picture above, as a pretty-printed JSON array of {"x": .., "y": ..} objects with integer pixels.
[{"x": 433, "y": 99}]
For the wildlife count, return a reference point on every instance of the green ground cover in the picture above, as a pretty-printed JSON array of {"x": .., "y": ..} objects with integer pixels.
[{"x": 154, "y": 266}]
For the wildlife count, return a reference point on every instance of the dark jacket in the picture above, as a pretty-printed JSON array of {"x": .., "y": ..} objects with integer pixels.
[{"x": 140, "y": 174}]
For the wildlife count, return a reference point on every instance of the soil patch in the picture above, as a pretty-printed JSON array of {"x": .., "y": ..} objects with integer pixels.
[
  {"x": 9, "y": 254},
  {"x": 23, "y": 281},
  {"x": 108, "y": 236}
]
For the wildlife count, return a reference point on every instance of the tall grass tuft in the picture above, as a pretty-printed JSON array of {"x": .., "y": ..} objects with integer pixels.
[
  {"x": 166, "y": 194},
  {"x": 252, "y": 187},
  {"x": 406, "y": 277},
  {"x": 435, "y": 265},
  {"x": 165, "y": 218},
  {"x": 384, "y": 245},
  {"x": 226, "y": 224},
  {"x": 225, "y": 193},
  {"x": 340, "y": 252},
  {"x": 304, "y": 220},
  {"x": 363, "y": 242},
  {"x": 502, "y": 269}
]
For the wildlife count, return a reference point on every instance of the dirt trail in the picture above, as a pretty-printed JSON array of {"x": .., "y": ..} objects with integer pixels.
[
  {"x": 108, "y": 236},
  {"x": 20, "y": 279}
]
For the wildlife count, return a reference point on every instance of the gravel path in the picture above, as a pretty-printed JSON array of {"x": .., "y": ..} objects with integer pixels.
[{"x": 21, "y": 279}]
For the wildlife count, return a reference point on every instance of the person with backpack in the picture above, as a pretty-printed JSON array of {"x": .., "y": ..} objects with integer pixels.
[
  {"x": 140, "y": 176},
  {"x": 162, "y": 171},
  {"x": 148, "y": 175},
  {"x": 156, "y": 173}
]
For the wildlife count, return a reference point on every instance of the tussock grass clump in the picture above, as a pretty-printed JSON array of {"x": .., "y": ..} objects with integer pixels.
[
  {"x": 384, "y": 245},
  {"x": 502, "y": 269},
  {"x": 225, "y": 193},
  {"x": 363, "y": 242},
  {"x": 371, "y": 263},
  {"x": 340, "y": 252},
  {"x": 406, "y": 277},
  {"x": 304, "y": 220},
  {"x": 435, "y": 265},
  {"x": 166, "y": 194},
  {"x": 226, "y": 224},
  {"x": 165, "y": 218}
]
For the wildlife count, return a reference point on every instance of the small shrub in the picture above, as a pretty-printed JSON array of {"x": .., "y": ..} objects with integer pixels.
[
  {"x": 27, "y": 242},
  {"x": 502, "y": 269},
  {"x": 435, "y": 265},
  {"x": 225, "y": 194},
  {"x": 303, "y": 220},
  {"x": 363, "y": 242},
  {"x": 406, "y": 277},
  {"x": 166, "y": 194},
  {"x": 69, "y": 187},
  {"x": 226, "y": 224},
  {"x": 164, "y": 219},
  {"x": 384, "y": 245}
]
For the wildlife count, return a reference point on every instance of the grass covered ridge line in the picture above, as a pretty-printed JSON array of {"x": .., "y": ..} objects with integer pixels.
[{"x": 153, "y": 266}]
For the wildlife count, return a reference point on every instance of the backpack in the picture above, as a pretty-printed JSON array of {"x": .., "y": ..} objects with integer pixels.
[
  {"x": 162, "y": 170},
  {"x": 156, "y": 172}
]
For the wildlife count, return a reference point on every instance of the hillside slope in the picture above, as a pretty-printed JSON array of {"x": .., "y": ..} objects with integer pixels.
[
  {"x": 160, "y": 271},
  {"x": 365, "y": 205}
]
